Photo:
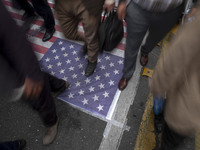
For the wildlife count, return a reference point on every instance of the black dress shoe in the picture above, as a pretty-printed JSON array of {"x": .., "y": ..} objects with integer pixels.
[
  {"x": 48, "y": 34},
  {"x": 61, "y": 89},
  {"x": 123, "y": 83},
  {"x": 90, "y": 68},
  {"x": 143, "y": 60},
  {"x": 22, "y": 144}
]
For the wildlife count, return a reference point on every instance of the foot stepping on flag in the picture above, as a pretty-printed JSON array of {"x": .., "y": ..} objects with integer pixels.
[{"x": 95, "y": 93}]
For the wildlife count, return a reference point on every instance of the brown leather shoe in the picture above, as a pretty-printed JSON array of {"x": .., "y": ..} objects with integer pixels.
[
  {"x": 143, "y": 59},
  {"x": 50, "y": 134},
  {"x": 123, "y": 83}
]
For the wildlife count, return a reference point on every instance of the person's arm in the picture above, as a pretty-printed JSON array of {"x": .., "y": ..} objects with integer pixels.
[{"x": 18, "y": 52}]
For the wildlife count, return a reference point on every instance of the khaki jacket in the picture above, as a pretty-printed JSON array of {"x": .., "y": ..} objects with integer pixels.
[{"x": 178, "y": 73}]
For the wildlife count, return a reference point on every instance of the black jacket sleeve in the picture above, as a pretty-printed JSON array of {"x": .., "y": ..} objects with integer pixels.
[{"x": 15, "y": 47}]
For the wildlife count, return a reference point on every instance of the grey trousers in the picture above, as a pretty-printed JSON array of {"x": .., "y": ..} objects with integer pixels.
[{"x": 139, "y": 21}]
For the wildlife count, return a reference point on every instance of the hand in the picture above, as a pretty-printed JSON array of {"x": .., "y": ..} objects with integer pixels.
[
  {"x": 108, "y": 7},
  {"x": 32, "y": 88},
  {"x": 121, "y": 11}
]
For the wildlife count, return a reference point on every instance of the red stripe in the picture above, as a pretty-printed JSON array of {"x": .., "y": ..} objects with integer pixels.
[{"x": 39, "y": 49}]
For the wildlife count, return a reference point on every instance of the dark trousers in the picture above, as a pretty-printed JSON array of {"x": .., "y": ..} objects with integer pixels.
[
  {"x": 139, "y": 21},
  {"x": 170, "y": 139},
  {"x": 11, "y": 145},
  {"x": 42, "y": 8}
]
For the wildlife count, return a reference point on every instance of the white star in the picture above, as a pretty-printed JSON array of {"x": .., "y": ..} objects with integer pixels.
[
  {"x": 96, "y": 98},
  {"x": 60, "y": 43},
  {"x": 63, "y": 48},
  {"x": 64, "y": 78},
  {"x": 52, "y": 73},
  {"x": 86, "y": 56},
  {"x": 71, "y": 46},
  {"x": 85, "y": 101},
  {"x": 97, "y": 77},
  {"x": 71, "y": 68},
  {"x": 111, "y": 82},
  {"x": 120, "y": 61},
  {"x": 83, "y": 72},
  {"x": 74, "y": 52},
  {"x": 107, "y": 74},
  {"x": 81, "y": 92},
  {"x": 103, "y": 67},
  {"x": 91, "y": 89},
  {"x": 65, "y": 54},
  {"x": 99, "y": 60},
  {"x": 100, "y": 107},
  {"x": 78, "y": 84},
  {"x": 47, "y": 59},
  {"x": 56, "y": 57},
  {"x": 68, "y": 61},
  {"x": 62, "y": 71},
  {"x": 71, "y": 95},
  {"x": 54, "y": 51},
  {"x": 77, "y": 58},
  {"x": 59, "y": 64},
  {"x": 106, "y": 94},
  {"x": 111, "y": 64},
  {"x": 80, "y": 66},
  {"x": 74, "y": 76},
  {"x": 116, "y": 72},
  {"x": 50, "y": 66},
  {"x": 107, "y": 57},
  {"x": 101, "y": 86},
  {"x": 87, "y": 81}
]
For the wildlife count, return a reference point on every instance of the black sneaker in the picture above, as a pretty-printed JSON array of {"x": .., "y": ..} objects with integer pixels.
[{"x": 90, "y": 68}]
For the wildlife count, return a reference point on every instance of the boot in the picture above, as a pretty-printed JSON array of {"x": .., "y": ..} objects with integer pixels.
[
  {"x": 90, "y": 68},
  {"x": 50, "y": 134}
]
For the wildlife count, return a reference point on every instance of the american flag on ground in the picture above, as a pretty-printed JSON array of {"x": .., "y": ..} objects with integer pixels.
[
  {"x": 95, "y": 94},
  {"x": 41, "y": 48}
]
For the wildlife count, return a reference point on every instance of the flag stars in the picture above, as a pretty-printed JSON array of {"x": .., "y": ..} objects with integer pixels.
[
  {"x": 63, "y": 48},
  {"x": 107, "y": 57},
  {"x": 47, "y": 59},
  {"x": 83, "y": 72},
  {"x": 71, "y": 95},
  {"x": 111, "y": 82},
  {"x": 111, "y": 64},
  {"x": 107, "y": 74},
  {"x": 101, "y": 86},
  {"x": 87, "y": 81},
  {"x": 65, "y": 54},
  {"x": 103, "y": 67},
  {"x": 77, "y": 59},
  {"x": 59, "y": 64},
  {"x": 81, "y": 92},
  {"x": 116, "y": 71},
  {"x": 54, "y": 51},
  {"x": 65, "y": 78},
  {"x": 106, "y": 94},
  {"x": 68, "y": 61},
  {"x": 91, "y": 89},
  {"x": 78, "y": 83},
  {"x": 97, "y": 77},
  {"x": 52, "y": 73},
  {"x": 85, "y": 101},
  {"x": 62, "y": 71},
  {"x": 60, "y": 43},
  {"x": 71, "y": 46},
  {"x": 86, "y": 56},
  {"x": 74, "y": 52},
  {"x": 49, "y": 66},
  {"x": 99, "y": 60},
  {"x": 71, "y": 68},
  {"x": 56, "y": 57},
  {"x": 74, "y": 76},
  {"x": 120, "y": 62},
  {"x": 100, "y": 107},
  {"x": 80, "y": 66},
  {"x": 95, "y": 98}
]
